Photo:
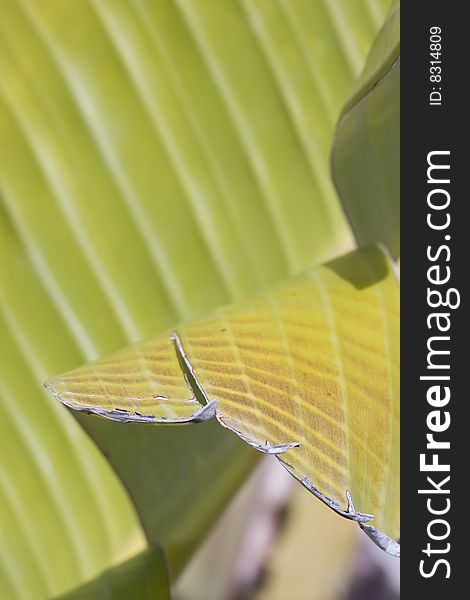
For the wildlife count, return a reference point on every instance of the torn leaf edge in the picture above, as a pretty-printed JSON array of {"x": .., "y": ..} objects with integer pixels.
[
  {"x": 186, "y": 365},
  {"x": 350, "y": 513},
  {"x": 383, "y": 541},
  {"x": 205, "y": 413},
  {"x": 209, "y": 411}
]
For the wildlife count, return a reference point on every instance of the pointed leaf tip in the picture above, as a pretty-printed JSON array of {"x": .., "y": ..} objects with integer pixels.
[{"x": 308, "y": 370}]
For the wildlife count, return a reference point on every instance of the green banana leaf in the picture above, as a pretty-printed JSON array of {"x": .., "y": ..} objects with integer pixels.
[
  {"x": 308, "y": 371},
  {"x": 143, "y": 577},
  {"x": 366, "y": 156},
  {"x": 156, "y": 160},
  {"x": 179, "y": 479}
]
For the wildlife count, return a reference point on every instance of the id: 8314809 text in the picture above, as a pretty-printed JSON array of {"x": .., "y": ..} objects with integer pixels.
[{"x": 435, "y": 66}]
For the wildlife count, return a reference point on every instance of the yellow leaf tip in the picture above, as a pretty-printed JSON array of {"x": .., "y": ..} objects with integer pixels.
[{"x": 205, "y": 413}]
